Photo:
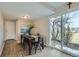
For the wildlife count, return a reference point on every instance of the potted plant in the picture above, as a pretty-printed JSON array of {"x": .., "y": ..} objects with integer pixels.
[{"x": 31, "y": 26}]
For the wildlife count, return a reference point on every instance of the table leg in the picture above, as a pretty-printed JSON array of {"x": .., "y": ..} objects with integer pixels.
[
  {"x": 30, "y": 46},
  {"x": 42, "y": 44}
]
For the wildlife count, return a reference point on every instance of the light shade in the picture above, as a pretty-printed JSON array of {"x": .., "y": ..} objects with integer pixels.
[{"x": 25, "y": 17}]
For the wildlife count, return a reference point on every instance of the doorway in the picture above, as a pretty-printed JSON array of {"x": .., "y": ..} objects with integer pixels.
[{"x": 10, "y": 29}]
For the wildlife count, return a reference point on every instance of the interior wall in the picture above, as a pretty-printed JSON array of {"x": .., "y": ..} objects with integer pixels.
[
  {"x": 20, "y": 23},
  {"x": 1, "y": 32},
  {"x": 42, "y": 27}
]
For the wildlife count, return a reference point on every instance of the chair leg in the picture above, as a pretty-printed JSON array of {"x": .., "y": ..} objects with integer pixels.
[
  {"x": 40, "y": 48},
  {"x": 23, "y": 45},
  {"x": 36, "y": 46},
  {"x": 35, "y": 50}
]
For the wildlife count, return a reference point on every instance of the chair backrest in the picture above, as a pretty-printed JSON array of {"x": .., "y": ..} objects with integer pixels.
[{"x": 39, "y": 38}]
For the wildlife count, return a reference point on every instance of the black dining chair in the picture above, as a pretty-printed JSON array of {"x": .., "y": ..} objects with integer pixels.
[{"x": 38, "y": 44}]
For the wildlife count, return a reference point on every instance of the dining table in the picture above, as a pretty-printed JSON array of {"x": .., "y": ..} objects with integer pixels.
[{"x": 30, "y": 41}]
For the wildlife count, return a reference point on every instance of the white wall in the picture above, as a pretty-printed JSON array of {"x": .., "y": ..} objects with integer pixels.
[
  {"x": 20, "y": 23},
  {"x": 1, "y": 32},
  {"x": 42, "y": 27}
]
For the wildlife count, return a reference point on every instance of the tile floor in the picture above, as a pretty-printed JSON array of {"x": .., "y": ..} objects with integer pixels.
[{"x": 48, "y": 52}]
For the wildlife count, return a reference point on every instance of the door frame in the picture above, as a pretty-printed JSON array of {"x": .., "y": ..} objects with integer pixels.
[{"x": 5, "y": 28}]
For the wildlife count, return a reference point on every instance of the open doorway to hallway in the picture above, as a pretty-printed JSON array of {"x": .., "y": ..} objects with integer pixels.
[{"x": 10, "y": 29}]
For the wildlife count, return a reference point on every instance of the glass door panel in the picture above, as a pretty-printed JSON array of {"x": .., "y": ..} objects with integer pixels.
[
  {"x": 70, "y": 33},
  {"x": 56, "y": 33}
]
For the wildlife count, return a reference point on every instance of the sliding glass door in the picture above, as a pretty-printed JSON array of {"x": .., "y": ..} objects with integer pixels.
[
  {"x": 71, "y": 31},
  {"x": 65, "y": 33},
  {"x": 56, "y": 32}
]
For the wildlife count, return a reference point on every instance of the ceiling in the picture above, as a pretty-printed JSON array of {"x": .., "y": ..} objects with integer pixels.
[
  {"x": 57, "y": 4},
  {"x": 14, "y": 10}
]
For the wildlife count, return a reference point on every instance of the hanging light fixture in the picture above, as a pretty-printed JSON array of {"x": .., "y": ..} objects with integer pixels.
[
  {"x": 25, "y": 17},
  {"x": 69, "y": 4}
]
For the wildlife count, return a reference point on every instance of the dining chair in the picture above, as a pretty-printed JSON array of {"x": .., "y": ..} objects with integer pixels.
[{"x": 38, "y": 44}]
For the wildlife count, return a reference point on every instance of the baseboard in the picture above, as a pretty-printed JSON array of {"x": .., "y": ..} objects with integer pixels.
[{"x": 2, "y": 48}]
